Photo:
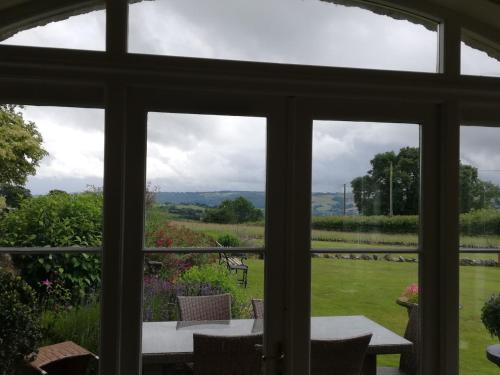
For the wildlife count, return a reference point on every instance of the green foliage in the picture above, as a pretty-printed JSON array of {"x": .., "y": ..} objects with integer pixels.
[
  {"x": 57, "y": 220},
  {"x": 20, "y": 327},
  {"x": 228, "y": 240},
  {"x": 215, "y": 277},
  {"x": 490, "y": 315},
  {"x": 3, "y": 203},
  {"x": 80, "y": 325},
  {"x": 476, "y": 222},
  {"x": 372, "y": 191},
  {"x": 54, "y": 220},
  {"x": 239, "y": 210},
  {"x": 381, "y": 224},
  {"x": 480, "y": 222},
  {"x": 14, "y": 195},
  {"x": 171, "y": 235},
  {"x": 20, "y": 147}
]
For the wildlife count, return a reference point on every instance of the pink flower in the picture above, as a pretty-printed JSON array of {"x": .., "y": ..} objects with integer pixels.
[{"x": 47, "y": 283}]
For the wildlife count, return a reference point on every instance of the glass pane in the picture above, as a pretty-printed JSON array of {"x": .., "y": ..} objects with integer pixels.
[
  {"x": 366, "y": 189},
  {"x": 50, "y": 303},
  {"x": 366, "y": 181},
  {"x": 480, "y": 232},
  {"x": 220, "y": 294},
  {"x": 73, "y": 27},
  {"x": 51, "y": 176},
  {"x": 477, "y": 62},
  {"x": 285, "y": 31},
  {"x": 205, "y": 181}
]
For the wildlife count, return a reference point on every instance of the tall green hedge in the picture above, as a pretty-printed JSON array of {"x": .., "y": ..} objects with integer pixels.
[
  {"x": 477, "y": 222},
  {"x": 382, "y": 224}
]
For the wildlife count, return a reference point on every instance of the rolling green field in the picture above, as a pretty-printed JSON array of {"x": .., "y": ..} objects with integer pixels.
[{"x": 370, "y": 288}]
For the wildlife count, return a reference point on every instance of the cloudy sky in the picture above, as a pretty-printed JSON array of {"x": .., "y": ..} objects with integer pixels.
[{"x": 203, "y": 153}]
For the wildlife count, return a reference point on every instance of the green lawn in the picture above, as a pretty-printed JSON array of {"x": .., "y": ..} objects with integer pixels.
[{"x": 346, "y": 287}]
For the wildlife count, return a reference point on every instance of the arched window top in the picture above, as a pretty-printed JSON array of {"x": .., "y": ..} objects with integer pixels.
[{"x": 315, "y": 32}]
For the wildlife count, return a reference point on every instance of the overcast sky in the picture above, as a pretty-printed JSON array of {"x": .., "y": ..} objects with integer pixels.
[{"x": 204, "y": 153}]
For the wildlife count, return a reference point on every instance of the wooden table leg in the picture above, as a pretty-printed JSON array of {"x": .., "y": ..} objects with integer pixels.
[{"x": 370, "y": 365}]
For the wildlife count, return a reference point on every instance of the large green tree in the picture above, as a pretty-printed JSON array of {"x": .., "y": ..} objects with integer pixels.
[
  {"x": 20, "y": 149},
  {"x": 239, "y": 210},
  {"x": 372, "y": 191}
]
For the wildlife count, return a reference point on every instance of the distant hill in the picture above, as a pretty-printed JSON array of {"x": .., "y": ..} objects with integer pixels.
[{"x": 323, "y": 204}]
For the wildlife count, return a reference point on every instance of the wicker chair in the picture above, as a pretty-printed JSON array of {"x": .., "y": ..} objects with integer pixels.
[
  {"x": 59, "y": 359},
  {"x": 339, "y": 357},
  {"x": 258, "y": 308},
  {"x": 216, "y": 307},
  {"x": 226, "y": 355},
  {"x": 408, "y": 363}
]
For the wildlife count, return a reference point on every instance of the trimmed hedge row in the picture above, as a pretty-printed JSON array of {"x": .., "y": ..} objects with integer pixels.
[
  {"x": 478, "y": 222},
  {"x": 381, "y": 224}
]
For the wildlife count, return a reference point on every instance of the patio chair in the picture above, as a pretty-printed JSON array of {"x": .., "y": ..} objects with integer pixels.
[
  {"x": 226, "y": 355},
  {"x": 339, "y": 357},
  {"x": 59, "y": 359},
  {"x": 408, "y": 362},
  {"x": 215, "y": 307},
  {"x": 258, "y": 308}
]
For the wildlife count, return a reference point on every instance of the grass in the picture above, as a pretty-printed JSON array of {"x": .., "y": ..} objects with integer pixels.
[
  {"x": 253, "y": 232},
  {"x": 370, "y": 288}
]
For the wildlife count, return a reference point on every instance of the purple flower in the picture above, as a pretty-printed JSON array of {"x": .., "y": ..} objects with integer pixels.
[{"x": 47, "y": 283}]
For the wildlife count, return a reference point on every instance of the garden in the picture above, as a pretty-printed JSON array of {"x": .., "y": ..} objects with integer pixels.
[{"x": 62, "y": 291}]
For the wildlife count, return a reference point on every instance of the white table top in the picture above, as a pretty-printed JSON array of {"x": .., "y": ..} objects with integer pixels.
[{"x": 168, "y": 342}]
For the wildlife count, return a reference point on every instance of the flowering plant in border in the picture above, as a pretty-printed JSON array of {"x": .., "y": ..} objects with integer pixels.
[{"x": 410, "y": 294}]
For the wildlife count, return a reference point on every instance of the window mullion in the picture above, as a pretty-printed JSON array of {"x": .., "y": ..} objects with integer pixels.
[{"x": 449, "y": 59}]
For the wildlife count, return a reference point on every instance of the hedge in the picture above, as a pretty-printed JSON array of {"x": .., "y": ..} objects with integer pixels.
[{"x": 478, "y": 222}]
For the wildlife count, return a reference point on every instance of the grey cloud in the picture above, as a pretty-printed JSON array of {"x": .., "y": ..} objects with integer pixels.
[{"x": 293, "y": 31}]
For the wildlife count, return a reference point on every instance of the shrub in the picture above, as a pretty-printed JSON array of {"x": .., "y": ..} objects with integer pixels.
[
  {"x": 478, "y": 222},
  {"x": 20, "y": 327},
  {"x": 171, "y": 235},
  {"x": 490, "y": 315},
  {"x": 239, "y": 210},
  {"x": 57, "y": 220},
  {"x": 382, "y": 224},
  {"x": 214, "y": 279},
  {"x": 173, "y": 265},
  {"x": 228, "y": 240}
]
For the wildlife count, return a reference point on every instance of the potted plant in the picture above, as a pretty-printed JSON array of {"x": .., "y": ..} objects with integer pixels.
[
  {"x": 490, "y": 315},
  {"x": 409, "y": 297}
]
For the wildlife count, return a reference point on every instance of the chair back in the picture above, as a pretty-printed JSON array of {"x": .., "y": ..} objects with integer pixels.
[
  {"x": 339, "y": 357},
  {"x": 216, "y": 307},
  {"x": 258, "y": 308},
  {"x": 226, "y": 355},
  {"x": 408, "y": 362}
]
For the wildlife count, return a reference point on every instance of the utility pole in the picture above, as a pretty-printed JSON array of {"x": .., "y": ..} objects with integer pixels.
[
  {"x": 344, "y": 200},
  {"x": 390, "y": 190}
]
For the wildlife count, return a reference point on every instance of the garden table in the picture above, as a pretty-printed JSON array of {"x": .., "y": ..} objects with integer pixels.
[{"x": 172, "y": 342}]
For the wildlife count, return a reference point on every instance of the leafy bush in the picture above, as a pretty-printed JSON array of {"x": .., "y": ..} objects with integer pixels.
[
  {"x": 239, "y": 210},
  {"x": 173, "y": 265},
  {"x": 476, "y": 222},
  {"x": 57, "y": 220},
  {"x": 171, "y": 235},
  {"x": 206, "y": 279},
  {"x": 490, "y": 315},
  {"x": 20, "y": 327},
  {"x": 382, "y": 224},
  {"x": 479, "y": 222},
  {"x": 160, "y": 296},
  {"x": 228, "y": 240}
]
